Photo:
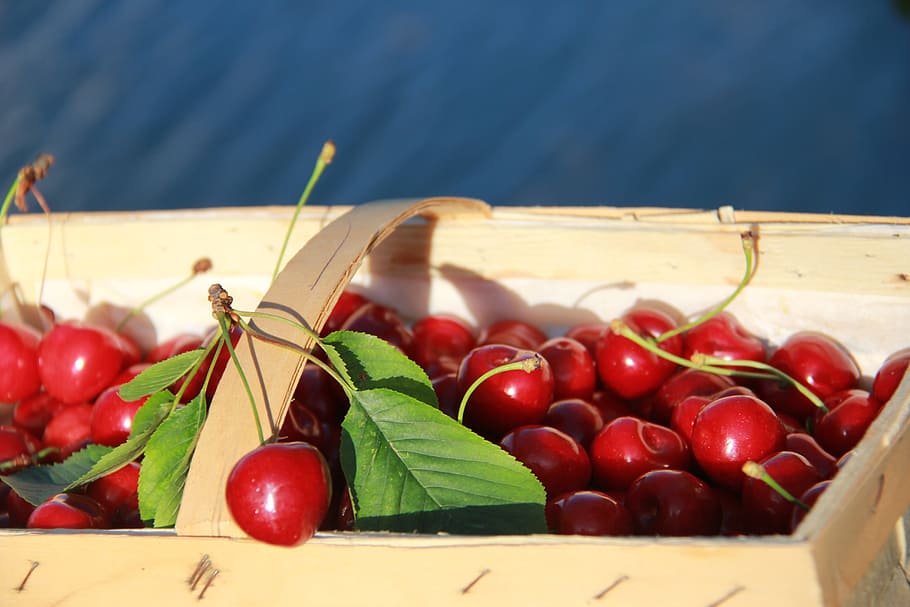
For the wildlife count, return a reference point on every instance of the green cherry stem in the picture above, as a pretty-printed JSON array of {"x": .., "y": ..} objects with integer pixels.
[
  {"x": 325, "y": 158},
  {"x": 758, "y": 472},
  {"x": 4, "y": 210},
  {"x": 748, "y": 244},
  {"x": 527, "y": 365},
  {"x": 224, "y": 324}
]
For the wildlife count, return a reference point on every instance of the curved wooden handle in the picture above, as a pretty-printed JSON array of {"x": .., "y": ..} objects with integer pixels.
[{"x": 305, "y": 290}]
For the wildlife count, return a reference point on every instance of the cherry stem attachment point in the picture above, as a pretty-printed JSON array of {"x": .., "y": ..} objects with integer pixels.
[
  {"x": 758, "y": 472},
  {"x": 528, "y": 365}
]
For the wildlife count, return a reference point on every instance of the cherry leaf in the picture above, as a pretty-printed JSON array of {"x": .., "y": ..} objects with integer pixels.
[
  {"x": 412, "y": 468},
  {"x": 37, "y": 484},
  {"x": 149, "y": 416},
  {"x": 160, "y": 375},
  {"x": 166, "y": 462}
]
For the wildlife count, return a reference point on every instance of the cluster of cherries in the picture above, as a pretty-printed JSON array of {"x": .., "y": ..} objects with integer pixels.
[
  {"x": 624, "y": 438},
  {"x": 64, "y": 384}
]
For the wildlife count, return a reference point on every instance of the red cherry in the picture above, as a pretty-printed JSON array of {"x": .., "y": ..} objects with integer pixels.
[
  {"x": 383, "y": 322},
  {"x": 118, "y": 493},
  {"x": 440, "y": 342},
  {"x": 626, "y": 368},
  {"x": 588, "y": 512},
  {"x": 556, "y": 459},
  {"x": 301, "y": 424},
  {"x": 34, "y": 412},
  {"x": 508, "y": 399},
  {"x": 348, "y": 303},
  {"x": 77, "y": 361},
  {"x": 16, "y": 448},
  {"x": 68, "y": 511},
  {"x": 218, "y": 366},
  {"x": 516, "y": 333},
  {"x": 808, "y": 447},
  {"x": 722, "y": 336},
  {"x": 682, "y": 420},
  {"x": 112, "y": 417},
  {"x": 69, "y": 430},
  {"x": 732, "y": 430},
  {"x": 130, "y": 373},
  {"x": 815, "y": 360},
  {"x": 627, "y": 447},
  {"x": 18, "y": 362},
  {"x": 588, "y": 334},
  {"x": 686, "y": 382},
  {"x": 279, "y": 493},
  {"x": 18, "y": 510},
  {"x": 610, "y": 405},
  {"x": 673, "y": 503},
  {"x": 765, "y": 510},
  {"x": 890, "y": 374},
  {"x": 850, "y": 413},
  {"x": 574, "y": 375},
  {"x": 576, "y": 417},
  {"x": 808, "y": 498},
  {"x": 446, "y": 388},
  {"x": 318, "y": 392},
  {"x": 178, "y": 344}
]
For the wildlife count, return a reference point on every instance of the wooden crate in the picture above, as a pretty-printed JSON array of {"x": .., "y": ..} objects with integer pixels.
[{"x": 555, "y": 266}]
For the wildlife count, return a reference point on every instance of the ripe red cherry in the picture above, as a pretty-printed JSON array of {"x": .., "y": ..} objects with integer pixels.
[
  {"x": 610, "y": 405},
  {"x": 18, "y": 510},
  {"x": 383, "y": 322},
  {"x": 627, "y": 447},
  {"x": 218, "y": 366},
  {"x": 118, "y": 493},
  {"x": 588, "y": 334},
  {"x": 588, "y": 512},
  {"x": 440, "y": 342},
  {"x": 348, "y": 303},
  {"x": 556, "y": 459},
  {"x": 34, "y": 412},
  {"x": 815, "y": 360},
  {"x": 178, "y": 344},
  {"x": 732, "y": 430},
  {"x": 77, "y": 361},
  {"x": 446, "y": 388},
  {"x": 850, "y": 413},
  {"x": 673, "y": 503},
  {"x": 765, "y": 510},
  {"x": 626, "y": 368},
  {"x": 806, "y": 445},
  {"x": 574, "y": 375},
  {"x": 516, "y": 333},
  {"x": 890, "y": 374},
  {"x": 16, "y": 447},
  {"x": 722, "y": 336},
  {"x": 112, "y": 417},
  {"x": 576, "y": 417},
  {"x": 68, "y": 511},
  {"x": 18, "y": 362},
  {"x": 508, "y": 399},
  {"x": 279, "y": 493},
  {"x": 686, "y": 382},
  {"x": 682, "y": 420},
  {"x": 808, "y": 498},
  {"x": 69, "y": 430}
]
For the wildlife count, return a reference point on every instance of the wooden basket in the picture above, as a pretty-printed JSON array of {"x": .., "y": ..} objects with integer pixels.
[{"x": 845, "y": 275}]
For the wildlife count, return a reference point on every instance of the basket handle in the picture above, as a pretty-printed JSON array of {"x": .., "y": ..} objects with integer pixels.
[{"x": 305, "y": 290}]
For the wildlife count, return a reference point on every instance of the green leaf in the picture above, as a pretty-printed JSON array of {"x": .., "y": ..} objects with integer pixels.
[
  {"x": 149, "y": 416},
  {"x": 160, "y": 375},
  {"x": 37, "y": 484},
  {"x": 167, "y": 460},
  {"x": 368, "y": 362},
  {"x": 412, "y": 468}
]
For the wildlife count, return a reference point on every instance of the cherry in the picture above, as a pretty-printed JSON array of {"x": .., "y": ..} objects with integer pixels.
[
  {"x": 850, "y": 413},
  {"x": 806, "y": 445},
  {"x": 18, "y": 362},
  {"x": 118, "y": 493},
  {"x": 673, "y": 503},
  {"x": 816, "y": 361},
  {"x": 732, "y": 430},
  {"x": 220, "y": 363},
  {"x": 301, "y": 424},
  {"x": 627, "y": 447},
  {"x": 574, "y": 375},
  {"x": 446, "y": 388},
  {"x": 348, "y": 303},
  {"x": 765, "y": 510},
  {"x": 516, "y": 333},
  {"x": 34, "y": 412},
  {"x": 576, "y": 417},
  {"x": 731, "y": 507},
  {"x": 440, "y": 342},
  {"x": 318, "y": 392},
  {"x": 610, "y": 405},
  {"x": 383, "y": 322},
  {"x": 508, "y": 399},
  {"x": 588, "y": 334},
  {"x": 556, "y": 459},
  {"x": 68, "y": 511},
  {"x": 17, "y": 447},
  {"x": 889, "y": 375},
  {"x": 279, "y": 493},
  {"x": 682, "y": 420},
  {"x": 722, "y": 336},
  {"x": 178, "y": 344},
  {"x": 18, "y": 510},
  {"x": 626, "y": 368},
  {"x": 112, "y": 417},
  {"x": 77, "y": 361},
  {"x": 808, "y": 498},
  {"x": 588, "y": 512},
  {"x": 69, "y": 430},
  {"x": 686, "y": 382}
]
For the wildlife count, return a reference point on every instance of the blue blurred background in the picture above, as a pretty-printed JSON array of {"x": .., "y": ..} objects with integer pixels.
[{"x": 774, "y": 105}]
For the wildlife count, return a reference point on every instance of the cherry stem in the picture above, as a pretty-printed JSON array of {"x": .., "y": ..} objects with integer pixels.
[
  {"x": 777, "y": 373},
  {"x": 4, "y": 210},
  {"x": 215, "y": 345},
  {"x": 224, "y": 324},
  {"x": 528, "y": 365},
  {"x": 748, "y": 244},
  {"x": 758, "y": 472},
  {"x": 325, "y": 158},
  {"x": 201, "y": 266}
]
